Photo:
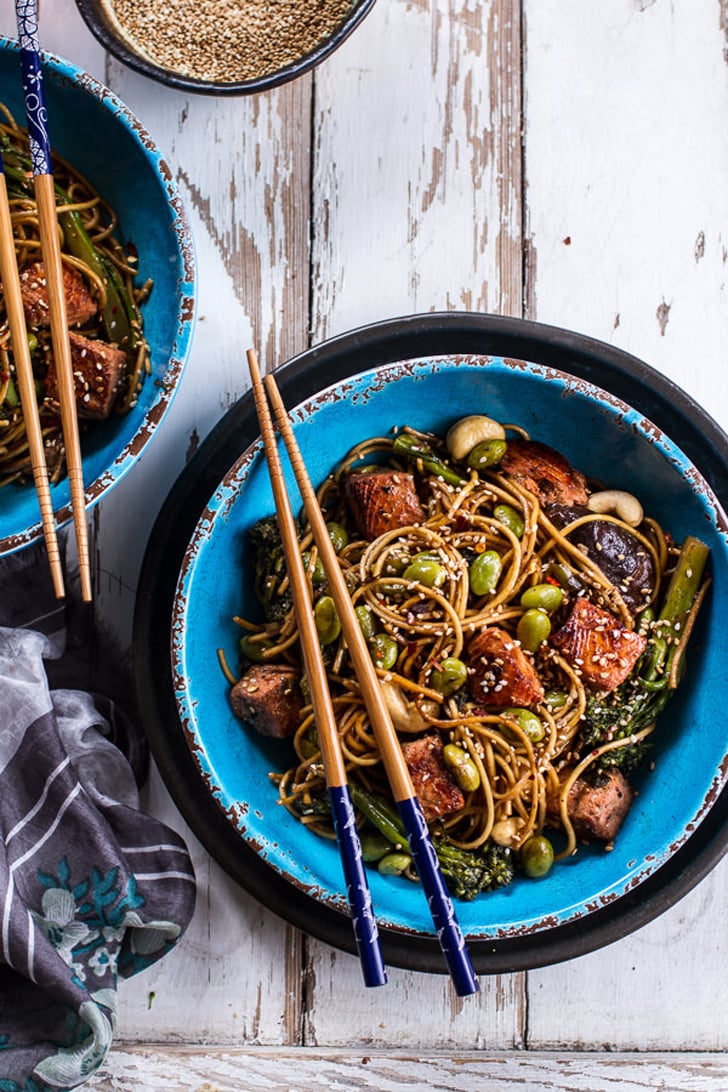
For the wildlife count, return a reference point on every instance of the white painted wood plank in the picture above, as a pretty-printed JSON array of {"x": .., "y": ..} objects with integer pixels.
[
  {"x": 417, "y": 165},
  {"x": 159, "y": 1069},
  {"x": 626, "y": 165},
  {"x": 664, "y": 985},
  {"x": 627, "y": 160}
]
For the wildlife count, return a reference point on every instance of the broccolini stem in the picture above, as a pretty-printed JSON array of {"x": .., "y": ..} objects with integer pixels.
[
  {"x": 418, "y": 450},
  {"x": 676, "y": 617}
]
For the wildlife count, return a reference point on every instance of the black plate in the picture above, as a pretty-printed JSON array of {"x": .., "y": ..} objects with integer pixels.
[{"x": 655, "y": 397}]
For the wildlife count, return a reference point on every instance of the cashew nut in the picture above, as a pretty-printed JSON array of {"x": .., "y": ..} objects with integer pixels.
[
  {"x": 405, "y": 714},
  {"x": 617, "y": 502},
  {"x": 506, "y": 832},
  {"x": 463, "y": 436}
]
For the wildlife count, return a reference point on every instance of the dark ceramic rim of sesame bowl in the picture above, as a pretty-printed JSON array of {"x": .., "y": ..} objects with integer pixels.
[
  {"x": 625, "y": 377},
  {"x": 102, "y": 27}
]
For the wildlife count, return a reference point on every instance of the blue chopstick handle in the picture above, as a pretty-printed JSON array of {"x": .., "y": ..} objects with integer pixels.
[
  {"x": 32, "y": 76},
  {"x": 360, "y": 900},
  {"x": 449, "y": 933}
]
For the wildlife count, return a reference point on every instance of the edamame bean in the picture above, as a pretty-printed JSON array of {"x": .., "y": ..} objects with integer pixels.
[
  {"x": 318, "y": 574},
  {"x": 485, "y": 572},
  {"x": 384, "y": 650},
  {"x": 462, "y": 767},
  {"x": 527, "y": 721},
  {"x": 327, "y": 621},
  {"x": 448, "y": 676},
  {"x": 533, "y": 628},
  {"x": 394, "y": 864},
  {"x": 253, "y": 650},
  {"x": 32, "y": 342},
  {"x": 510, "y": 518},
  {"x": 546, "y": 597},
  {"x": 374, "y": 847},
  {"x": 487, "y": 453},
  {"x": 536, "y": 856},
  {"x": 366, "y": 621},
  {"x": 556, "y": 699},
  {"x": 426, "y": 569},
  {"x": 339, "y": 535}
]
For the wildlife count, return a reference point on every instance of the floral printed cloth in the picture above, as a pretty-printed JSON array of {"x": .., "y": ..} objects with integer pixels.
[{"x": 92, "y": 890}]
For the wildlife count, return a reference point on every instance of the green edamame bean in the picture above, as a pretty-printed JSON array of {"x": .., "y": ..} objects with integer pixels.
[
  {"x": 32, "y": 342},
  {"x": 510, "y": 518},
  {"x": 339, "y": 535},
  {"x": 426, "y": 569},
  {"x": 546, "y": 597},
  {"x": 487, "y": 453},
  {"x": 384, "y": 650},
  {"x": 366, "y": 621},
  {"x": 318, "y": 574},
  {"x": 485, "y": 572},
  {"x": 374, "y": 847},
  {"x": 536, "y": 856},
  {"x": 533, "y": 628},
  {"x": 253, "y": 650},
  {"x": 394, "y": 864},
  {"x": 327, "y": 621},
  {"x": 448, "y": 676},
  {"x": 556, "y": 699},
  {"x": 462, "y": 767},
  {"x": 527, "y": 721}
]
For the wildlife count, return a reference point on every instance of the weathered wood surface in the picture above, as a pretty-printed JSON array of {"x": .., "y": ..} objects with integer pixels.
[
  {"x": 166, "y": 1070},
  {"x": 560, "y": 160}
]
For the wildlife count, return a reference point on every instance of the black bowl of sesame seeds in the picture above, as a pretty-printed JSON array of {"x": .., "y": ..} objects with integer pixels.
[{"x": 223, "y": 46}]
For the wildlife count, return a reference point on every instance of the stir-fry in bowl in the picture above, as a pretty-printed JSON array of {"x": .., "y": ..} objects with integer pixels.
[
  {"x": 128, "y": 279},
  {"x": 542, "y": 615}
]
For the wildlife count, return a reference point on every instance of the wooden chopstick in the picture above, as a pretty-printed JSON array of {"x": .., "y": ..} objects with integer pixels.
[
  {"x": 449, "y": 933},
  {"x": 365, "y": 926},
  {"x": 40, "y": 150},
  {"x": 26, "y": 386}
]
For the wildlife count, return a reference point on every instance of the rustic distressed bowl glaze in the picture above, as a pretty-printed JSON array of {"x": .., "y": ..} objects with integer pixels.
[
  {"x": 427, "y": 371},
  {"x": 99, "y": 19},
  {"x": 99, "y": 136}
]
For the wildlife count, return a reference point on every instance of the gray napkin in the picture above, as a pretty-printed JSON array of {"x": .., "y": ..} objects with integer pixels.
[{"x": 92, "y": 890}]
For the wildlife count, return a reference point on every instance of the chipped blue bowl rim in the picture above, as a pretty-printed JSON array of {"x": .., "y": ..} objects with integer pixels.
[
  {"x": 77, "y": 105},
  {"x": 510, "y": 938}
]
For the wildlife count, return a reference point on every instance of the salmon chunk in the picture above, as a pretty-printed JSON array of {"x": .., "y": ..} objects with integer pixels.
[
  {"x": 269, "y": 698},
  {"x": 501, "y": 673},
  {"x": 97, "y": 371},
  {"x": 435, "y": 788},
  {"x": 597, "y": 810},
  {"x": 80, "y": 306},
  {"x": 383, "y": 500},
  {"x": 544, "y": 472},
  {"x": 598, "y": 645}
]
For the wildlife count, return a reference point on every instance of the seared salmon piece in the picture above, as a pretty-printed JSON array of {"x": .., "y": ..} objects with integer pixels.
[
  {"x": 597, "y": 810},
  {"x": 80, "y": 306},
  {"x": 435, "y": 788},
  {"x": 598, "y": 645},
  {"x": 545, "y": 472},
  {"x": 269, "y": 698},
  {"x": 501, "y": 673},
  {"x": 97, "y": 372},
  {"x": 383, "y": 500}
]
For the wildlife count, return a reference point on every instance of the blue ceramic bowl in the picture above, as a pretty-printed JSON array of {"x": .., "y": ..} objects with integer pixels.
[
  {"x": 98, "y": 135},
  {"x": 604, "y": 438}
]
